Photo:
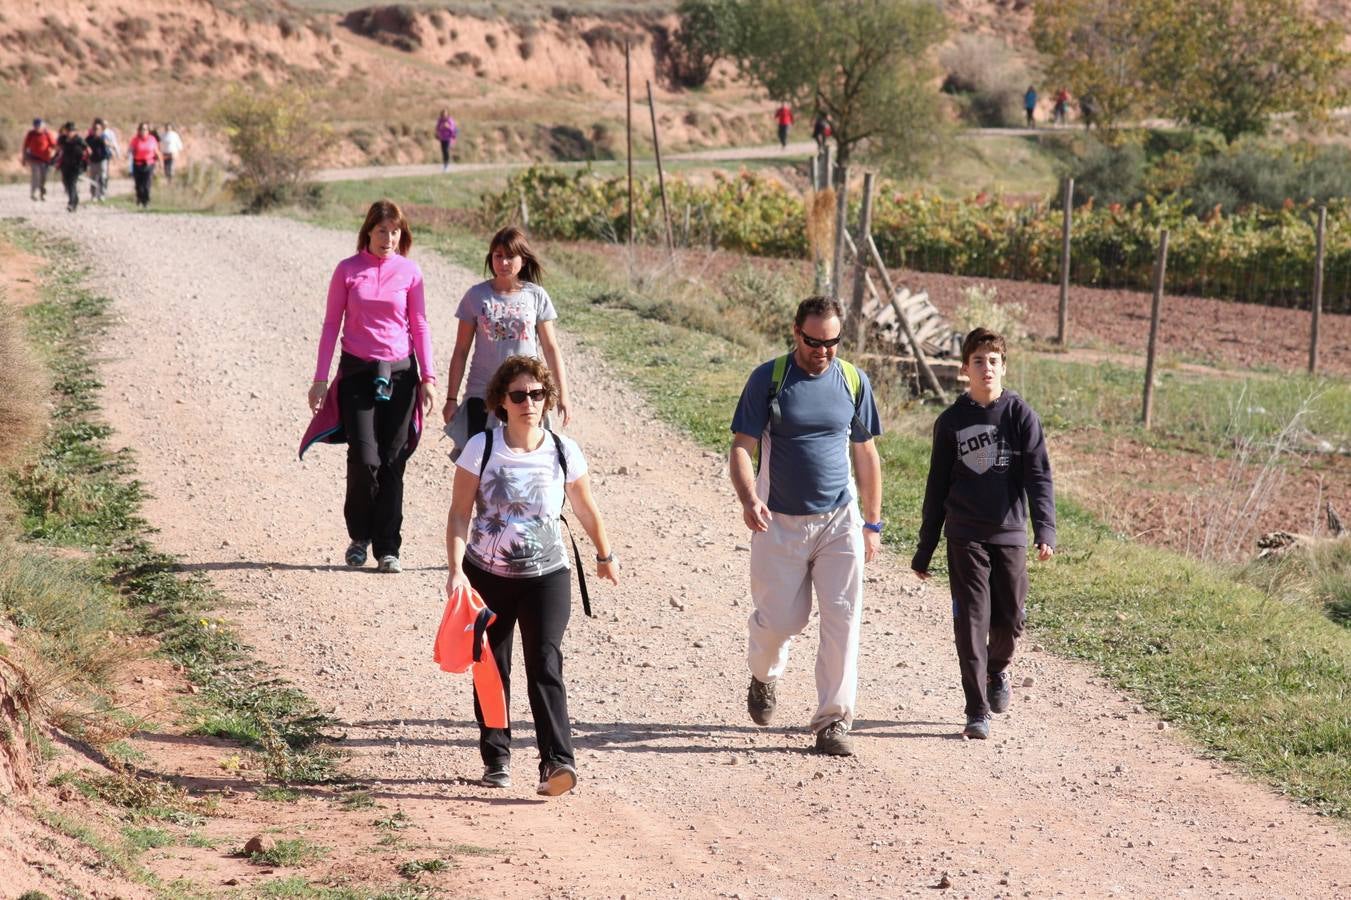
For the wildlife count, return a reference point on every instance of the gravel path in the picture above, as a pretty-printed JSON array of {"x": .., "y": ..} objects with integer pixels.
[{"x": 1077, "y": 792}]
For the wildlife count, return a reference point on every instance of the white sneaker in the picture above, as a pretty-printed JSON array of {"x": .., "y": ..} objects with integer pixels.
[{"x": 390, "y": 565}]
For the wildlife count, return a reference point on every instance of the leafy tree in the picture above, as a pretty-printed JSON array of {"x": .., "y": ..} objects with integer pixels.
[
  {"x": 1223, "y": 64},
  {"x": 707, "y": 29},
  {"x": 864, "y": 62},
  {"x": 1231, "y": 65},
  {"x": 1101, "y": 49},
  {"x": 277, "y": 140}
]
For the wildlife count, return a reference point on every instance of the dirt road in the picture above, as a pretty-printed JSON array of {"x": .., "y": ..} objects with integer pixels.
[{"x": 1077, "y": 792}]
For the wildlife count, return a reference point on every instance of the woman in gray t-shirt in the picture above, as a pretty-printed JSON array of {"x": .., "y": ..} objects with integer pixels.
[{"x": 507, "y": 315}]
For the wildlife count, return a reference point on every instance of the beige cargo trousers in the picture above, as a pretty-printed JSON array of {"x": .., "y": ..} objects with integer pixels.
[{"x": 797, "y": 554}]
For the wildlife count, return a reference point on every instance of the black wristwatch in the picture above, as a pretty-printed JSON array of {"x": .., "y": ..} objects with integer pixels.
[{"x": 605, "y": 559}]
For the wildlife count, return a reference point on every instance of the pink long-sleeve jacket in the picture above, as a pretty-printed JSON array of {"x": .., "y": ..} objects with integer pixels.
[{"x": 378, "y": 305}]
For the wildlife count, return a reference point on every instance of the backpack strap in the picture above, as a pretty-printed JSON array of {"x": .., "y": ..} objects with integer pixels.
[
  {"x": 854, "y": 382},
  {"x": 576, "y": 553},
  {"x": 776, "y": 379},
  {"x": 562, "y": 464},
  {"x": 488, "y": 451}
]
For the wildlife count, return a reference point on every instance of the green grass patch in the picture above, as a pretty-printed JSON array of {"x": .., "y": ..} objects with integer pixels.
[
  {"x": 357, "y": 800},
  {"x": 289, "y": 852},
  {"x": 81, "y": 495},
  {"x": 415, "y": 867},
  {"x": 274, "y": 794},
  {"x": 115, "y": 857},
  {"x": 297, "y": 887},
  {"x": 147, "y": 838}
]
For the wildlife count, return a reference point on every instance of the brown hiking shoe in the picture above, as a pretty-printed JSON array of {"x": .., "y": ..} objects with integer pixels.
[
  {"x": 833, "y": 740},
  {"x": 760, "y": 701}
]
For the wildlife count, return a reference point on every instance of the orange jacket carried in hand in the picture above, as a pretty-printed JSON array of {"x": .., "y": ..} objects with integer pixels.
[{"x": 462, "y": 643}]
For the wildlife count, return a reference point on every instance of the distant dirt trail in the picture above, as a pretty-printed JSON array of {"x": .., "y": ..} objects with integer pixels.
[{"x": 680, "y": 793}]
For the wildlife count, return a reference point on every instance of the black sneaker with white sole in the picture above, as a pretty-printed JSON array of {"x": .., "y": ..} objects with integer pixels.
[
  {"x": 977, "y": 728},
  {"x": 555, "y": 779},
  {"x": 356, "y": 554},
  {"x": 497, "y": 775}
]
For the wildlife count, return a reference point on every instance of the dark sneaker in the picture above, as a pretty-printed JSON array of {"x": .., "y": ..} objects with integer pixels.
[
  {"x": 390, "y": 565},
  {"x": 977, "y": 728},
  {"x": 556, "y": 779},
  {"x": 356, "y": 554},
  {"x": 999, "y": 690},
  {"x": 760, "y": 701},
  {"x": 497, "y": 775},
  {"x": 833, "y": 740}
]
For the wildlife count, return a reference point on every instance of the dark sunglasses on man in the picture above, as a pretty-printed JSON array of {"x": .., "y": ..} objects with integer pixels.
[{"x": 818, "y": 343}]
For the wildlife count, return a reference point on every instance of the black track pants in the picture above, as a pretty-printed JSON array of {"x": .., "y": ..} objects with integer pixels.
[
  {"x": 542, "y": 606},
  {"x": 141, "y": 173},
  {"x": 989, "y": 590},
  {"x": 377, "y": 441}
]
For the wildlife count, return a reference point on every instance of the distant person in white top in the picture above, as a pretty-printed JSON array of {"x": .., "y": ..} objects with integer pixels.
[
  {"x": 170, "y": 149},
  {"x": 507, "y": 315}
]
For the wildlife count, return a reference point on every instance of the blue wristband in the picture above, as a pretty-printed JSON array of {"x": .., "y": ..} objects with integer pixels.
[{"x": 873, "y": 526}]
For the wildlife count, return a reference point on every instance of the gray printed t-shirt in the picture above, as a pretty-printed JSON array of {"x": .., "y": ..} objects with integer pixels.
[
  {"x": 515, "y": 532},
  {"x": 504, "y": 325},
  {"x": 804, "y": 461}
]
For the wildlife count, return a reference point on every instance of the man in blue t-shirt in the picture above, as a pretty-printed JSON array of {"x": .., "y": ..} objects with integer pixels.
[{"x": 809, "y": 423}]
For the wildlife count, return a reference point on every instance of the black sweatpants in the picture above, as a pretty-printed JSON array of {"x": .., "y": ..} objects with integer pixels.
[
  {"x": 542, "y": 606},
  {"x": 70, "y": 180},
  {"x": 445, "y": 153},
  {"x": 989, "y": 593},
  {"x": 377, "y": 452},
  {"x": 141, "y": 173}
]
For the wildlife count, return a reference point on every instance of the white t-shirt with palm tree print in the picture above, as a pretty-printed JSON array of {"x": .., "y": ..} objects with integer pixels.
[{"x": 515, "y": 531}]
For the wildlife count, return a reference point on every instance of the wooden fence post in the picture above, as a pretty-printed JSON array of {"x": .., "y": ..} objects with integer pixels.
[
  {"x": 841, "y": 224},
  {"x": 1160, "y": 270},
  {"x": 1317, "y": 300},
  {"x": 628, "y": 131},
  {"x": 1062, "y": 332},
  {"x": 865, "y": 225},
  {"x": 661, "y": 175},
  {"x": 921, "y": 361}
]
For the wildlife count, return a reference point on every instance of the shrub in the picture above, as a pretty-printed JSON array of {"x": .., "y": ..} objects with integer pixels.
[
  {"x": 1255, "y": 173},
  {"x": 980, "y": 307},
  {"x": 277, "y": 140},
  {"x": 1109, "y": 174},
  {"x": 762, "y": 300},
  {"x": 987, "y": 80}
]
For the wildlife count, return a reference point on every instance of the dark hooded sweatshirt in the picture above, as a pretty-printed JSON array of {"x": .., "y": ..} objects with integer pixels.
[{"x": 989, "y": 467}]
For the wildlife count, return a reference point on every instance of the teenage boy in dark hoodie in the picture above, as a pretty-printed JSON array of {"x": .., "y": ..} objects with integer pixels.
[{"x": 988, "y": 469}]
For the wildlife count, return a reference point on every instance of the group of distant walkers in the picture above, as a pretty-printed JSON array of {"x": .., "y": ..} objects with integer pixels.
[
  {"x": 91, "y": 155},
  {"x": 821, "y": 126},
  {"x": 803, "y": 462},
  {"x": 1060, "y": 109}
]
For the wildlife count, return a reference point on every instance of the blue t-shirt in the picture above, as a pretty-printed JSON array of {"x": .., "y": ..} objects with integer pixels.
[{"x": 804, "y": 460}]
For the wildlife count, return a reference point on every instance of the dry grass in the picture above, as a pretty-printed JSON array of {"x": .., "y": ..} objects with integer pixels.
[{"x": 23, "y": 391}]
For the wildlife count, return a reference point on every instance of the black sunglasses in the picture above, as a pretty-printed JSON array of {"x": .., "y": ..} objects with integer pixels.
[
  {"x": 538, "y": 395},
  {"x": 817, "y": 343}
]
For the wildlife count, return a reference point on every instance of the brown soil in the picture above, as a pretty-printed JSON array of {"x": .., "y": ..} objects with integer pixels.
[
  {"x": 1195, "y": 329},
  {"x": 1078, "y": 791}
]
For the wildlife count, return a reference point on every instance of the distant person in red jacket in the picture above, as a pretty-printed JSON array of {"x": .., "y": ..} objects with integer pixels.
[
  {"x": 39, "y": 149},
  {"x": 143, "y": 151},
  {"x": 784, "y": 116}
]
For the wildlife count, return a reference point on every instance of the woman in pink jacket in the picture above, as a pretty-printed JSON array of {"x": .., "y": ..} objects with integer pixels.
[{"x": 376, "y": 300}]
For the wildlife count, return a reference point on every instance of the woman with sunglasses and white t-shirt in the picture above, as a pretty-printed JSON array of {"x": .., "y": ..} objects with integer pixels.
[{"x": 510, "y": 550}]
